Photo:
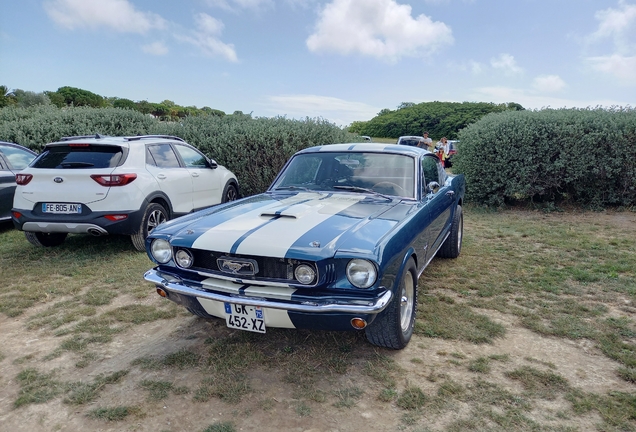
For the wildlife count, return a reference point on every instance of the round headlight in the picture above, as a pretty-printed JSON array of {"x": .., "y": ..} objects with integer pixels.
[
  {"x": 304, "y": 274},
  {"x": 161, "y": 250},
  {"x": 183, "y": 258},
  {"x": 361, "y": 273}
]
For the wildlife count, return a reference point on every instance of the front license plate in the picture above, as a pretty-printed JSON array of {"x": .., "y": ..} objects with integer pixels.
[
  {"x": 243, "y": 317},
  {"x": 61, "y": 208}
]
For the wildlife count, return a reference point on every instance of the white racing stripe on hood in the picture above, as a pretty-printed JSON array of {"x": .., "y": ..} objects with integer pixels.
[
  {"x": 275, "y": 238},
  {"x": 223, "y": 236}
]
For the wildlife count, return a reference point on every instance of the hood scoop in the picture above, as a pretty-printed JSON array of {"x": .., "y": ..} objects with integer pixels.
[
  {"x": 273, "y": 215},
  {"x": 294, "y": 212}
]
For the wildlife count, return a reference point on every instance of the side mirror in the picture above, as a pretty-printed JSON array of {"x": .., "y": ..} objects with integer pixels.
[{"x": 212, "y": 163}]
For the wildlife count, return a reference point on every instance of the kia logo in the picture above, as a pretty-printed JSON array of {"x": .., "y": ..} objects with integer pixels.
[{"x": 58, "y": 179}]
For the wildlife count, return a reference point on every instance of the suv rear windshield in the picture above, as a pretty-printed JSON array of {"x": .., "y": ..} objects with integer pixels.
[
  {"x": 409, "y": 141},
  {"x": 88, "y": 156}
]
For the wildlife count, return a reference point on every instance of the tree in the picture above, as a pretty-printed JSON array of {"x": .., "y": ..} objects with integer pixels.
[
  {"x": 124, "y": 103},
  {"x": 25, "y": 99},
  {"x": 405, "y": 105},
  {"x": 79, "y": 97},
  {"x": 7, "y": 97}
]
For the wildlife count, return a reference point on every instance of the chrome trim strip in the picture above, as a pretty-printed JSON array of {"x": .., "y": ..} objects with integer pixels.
[
  {"x": 63, "y": 227},
  {"x": 370, "y": 307},
  {"x": 433, "y": 256}
]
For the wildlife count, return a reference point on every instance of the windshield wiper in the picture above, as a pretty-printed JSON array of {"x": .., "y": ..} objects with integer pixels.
[{"x": 361, "y": 189}]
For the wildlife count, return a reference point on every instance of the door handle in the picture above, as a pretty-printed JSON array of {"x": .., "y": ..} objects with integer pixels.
[
  {"x": 450, "y": 193},
  {"x": 161, "y": 176},
  {"x": 194, "y": 174}
]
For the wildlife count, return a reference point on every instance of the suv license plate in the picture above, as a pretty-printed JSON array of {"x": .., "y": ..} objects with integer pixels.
[
  {"x": 243, "y": 317},
  {"x": 61, "y": 208}
]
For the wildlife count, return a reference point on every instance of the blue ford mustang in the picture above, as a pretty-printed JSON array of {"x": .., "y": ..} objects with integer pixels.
[{"x": 337, "y": 242}]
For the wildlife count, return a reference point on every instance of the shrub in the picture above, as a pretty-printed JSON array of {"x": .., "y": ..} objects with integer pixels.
[
  {"x": 255, "y": 149},
  {"x": 584, "y": 156}
]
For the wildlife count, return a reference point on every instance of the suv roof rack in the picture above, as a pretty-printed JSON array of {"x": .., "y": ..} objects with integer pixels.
[
  {"x": 139, "y": 137},
  {"x": 70, "y": 138}
]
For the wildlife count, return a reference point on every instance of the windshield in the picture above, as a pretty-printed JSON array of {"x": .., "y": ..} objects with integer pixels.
[{"x": 385, "y": 173}]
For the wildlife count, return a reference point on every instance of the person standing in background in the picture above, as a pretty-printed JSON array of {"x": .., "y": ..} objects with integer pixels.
[
  {"x": 426, "y": 143},
  {"x": 442, "y": 148}
]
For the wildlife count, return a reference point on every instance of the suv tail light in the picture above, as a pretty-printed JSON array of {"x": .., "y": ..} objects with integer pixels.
[
  {"x": 23, "y": 179},
  {"x": 114, "y": 179}
]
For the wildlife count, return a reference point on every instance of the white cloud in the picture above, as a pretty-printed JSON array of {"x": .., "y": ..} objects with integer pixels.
[
  {"x": 376, "y": 28},
  {"x": 118, "y": 15},
  {"x": 506, "y": 63},
  {"x": 155, "y": 48},
  {"x": 336, "y": 110},
  {"x": 205, "y": 37},
  {"x": 619, "y": 26},
  {"x": 549, "y": 83},
  {"x": 623, "y": 68},
  {"x": 476, "y": 67},
  {"x": 615, "y": 24}
]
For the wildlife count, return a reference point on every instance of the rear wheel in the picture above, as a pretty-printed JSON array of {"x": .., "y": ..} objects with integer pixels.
[
  {"x": 453, "y": 244},
  {"x": 154, "y": 215},
  {"x": 230, "y": 193},
  {"x": 394, "y": 327},
  {"x": 41, "y": 239}
]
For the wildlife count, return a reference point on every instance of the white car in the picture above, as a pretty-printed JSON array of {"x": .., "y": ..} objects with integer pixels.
[{"x": 104, "y": 185}]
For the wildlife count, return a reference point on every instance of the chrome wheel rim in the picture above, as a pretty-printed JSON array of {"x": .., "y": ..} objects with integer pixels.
[
  {"x": 406, "y": 302},
  {"x": 155, "y": 218},
  {"x": 231, "y": 195}
]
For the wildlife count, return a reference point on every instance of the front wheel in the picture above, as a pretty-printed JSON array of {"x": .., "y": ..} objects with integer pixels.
[
  {"x": 154, "y": 215},
  {"x": 41, "y": 239},
  {"x": 230, "y": 193},
  {"x": 394, "y": 327}
]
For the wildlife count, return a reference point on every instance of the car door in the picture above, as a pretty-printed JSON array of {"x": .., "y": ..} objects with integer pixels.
[
  {"x": 7, "y": 189},
  {"x": 173, "y": 178},
  {"x": 438, "y": 199},
  {"x": 206, "y": 181},
  {"x": 12, "y": 160}
]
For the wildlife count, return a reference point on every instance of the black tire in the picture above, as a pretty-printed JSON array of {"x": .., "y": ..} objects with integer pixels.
[
  {"x": 393, "y": 328},
  {"x": 230, "y": 193},
  {"x": 41, "y": 239},
  {"x": 453, "y": 244},
  {"x": 154, "y": 215}
]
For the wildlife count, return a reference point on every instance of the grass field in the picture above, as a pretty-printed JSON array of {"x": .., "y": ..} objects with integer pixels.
[{"x": 530, "y": 329}]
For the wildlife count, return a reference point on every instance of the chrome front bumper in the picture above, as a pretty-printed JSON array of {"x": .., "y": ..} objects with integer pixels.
[{"x": 171, "y": 283}]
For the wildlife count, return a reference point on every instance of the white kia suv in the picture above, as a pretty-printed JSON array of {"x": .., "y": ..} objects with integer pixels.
[{"x": 103, "y": 185}]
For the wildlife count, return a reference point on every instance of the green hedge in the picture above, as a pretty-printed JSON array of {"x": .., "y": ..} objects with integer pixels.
[
  {"x": 582, "y": 156},
  {"x": 253, "y": 148}
]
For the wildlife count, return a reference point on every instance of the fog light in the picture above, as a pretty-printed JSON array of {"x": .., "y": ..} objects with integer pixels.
[
  {"x": 184, "y": 258},
  {"x": 162, "y": 293},
  {"x": 358, "y": 323},
  {"x": 304, "y": 274}
]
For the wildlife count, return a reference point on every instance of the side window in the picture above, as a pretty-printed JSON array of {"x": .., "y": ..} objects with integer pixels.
[
  {"x": 161, "y": 155},
  {"x": 430, "y": 170},
  {"x": 191, "y": 157},
  {"x": 18, "y": 158}
]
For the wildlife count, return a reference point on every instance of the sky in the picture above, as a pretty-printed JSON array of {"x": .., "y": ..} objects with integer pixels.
[{"x": 339, "y": 60}]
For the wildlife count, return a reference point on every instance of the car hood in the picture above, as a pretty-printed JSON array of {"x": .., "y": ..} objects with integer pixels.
[{"x": 302, "y": 225}]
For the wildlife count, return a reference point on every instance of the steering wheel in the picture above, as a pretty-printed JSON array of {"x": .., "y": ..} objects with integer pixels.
[{"x": 384, "y": 185}]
